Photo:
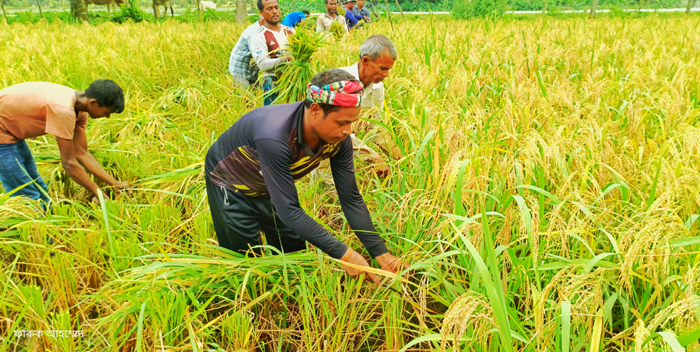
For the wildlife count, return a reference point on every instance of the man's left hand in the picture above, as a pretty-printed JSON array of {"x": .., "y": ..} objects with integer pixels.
[
  {"x": 122, "y": 186},
  {"x": 368, "y": 19},
  {"x": 391, "y": 263}
]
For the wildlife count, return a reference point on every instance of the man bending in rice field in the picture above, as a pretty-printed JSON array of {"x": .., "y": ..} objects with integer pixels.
[
  {"x": 33, "y": 109},
  {"x": 251, "y": 169}
]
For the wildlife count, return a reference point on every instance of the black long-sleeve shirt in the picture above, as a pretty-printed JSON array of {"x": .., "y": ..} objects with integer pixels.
[{"x": 264, "y": 152}]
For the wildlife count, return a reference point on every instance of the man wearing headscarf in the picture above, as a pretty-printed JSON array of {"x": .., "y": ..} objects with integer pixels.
[{"x": 251, "y": 169}]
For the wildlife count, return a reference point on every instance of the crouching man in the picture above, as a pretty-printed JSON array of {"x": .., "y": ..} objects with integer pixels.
[
  {"x": 251, "y": 169},
  {"x": 33, "y": 109}
]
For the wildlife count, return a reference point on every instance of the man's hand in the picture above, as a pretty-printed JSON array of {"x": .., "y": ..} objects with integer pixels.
[
  {"x": 368, "y": 19},
  {"x": 122, "y": 186},
  {"x": 289, "y": 58},
  {"x": 382, "y": 171},
  {"x": 390, "y": 263},
  {"x": 353, "y": 257}
]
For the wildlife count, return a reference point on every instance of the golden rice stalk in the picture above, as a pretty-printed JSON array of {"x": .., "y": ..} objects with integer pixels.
[{"x": 470, "y": 310}]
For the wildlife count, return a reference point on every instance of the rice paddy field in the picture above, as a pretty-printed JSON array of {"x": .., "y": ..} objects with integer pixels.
[{"x": 544, "y": 187}]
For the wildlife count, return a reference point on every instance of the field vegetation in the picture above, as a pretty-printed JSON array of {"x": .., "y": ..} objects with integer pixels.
[{"x": 544, "y": 187}]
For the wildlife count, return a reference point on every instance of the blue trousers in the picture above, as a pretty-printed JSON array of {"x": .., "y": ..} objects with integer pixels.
[{"x": 12, "y": 156}]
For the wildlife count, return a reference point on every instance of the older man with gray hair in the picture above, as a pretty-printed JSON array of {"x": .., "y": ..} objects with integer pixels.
[{"x": 377, "y": 56}]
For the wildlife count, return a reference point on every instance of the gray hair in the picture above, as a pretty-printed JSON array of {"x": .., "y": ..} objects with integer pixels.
[{"x": 375, "y": 45}]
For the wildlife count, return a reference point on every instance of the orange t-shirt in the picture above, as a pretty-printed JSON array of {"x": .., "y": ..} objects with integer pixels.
[{"x": 34, "y": 109}]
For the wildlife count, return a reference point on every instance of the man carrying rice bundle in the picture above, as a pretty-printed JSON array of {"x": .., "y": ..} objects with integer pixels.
[
  {"x": 269, "y": 47},
  {"x": 325, "y": 21},
  {"x": 251, "y": 169}
]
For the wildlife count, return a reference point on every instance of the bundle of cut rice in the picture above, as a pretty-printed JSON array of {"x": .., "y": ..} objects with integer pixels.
[{"x": 295, "y": 75}]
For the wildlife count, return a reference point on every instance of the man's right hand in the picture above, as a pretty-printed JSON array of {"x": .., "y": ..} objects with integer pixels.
[{"x": 355, "y": 258}]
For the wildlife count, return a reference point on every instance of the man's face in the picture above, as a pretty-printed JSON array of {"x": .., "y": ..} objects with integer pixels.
[
  {"x": 96, "y": 111},
  {"x": 271, "y": 12},
  {"x": 332, "y": 6},
  {"x": 360, "y": 4},
  {"x": 375, "y": 71},
  {"x": 350, "y": 5},
  {"x": 336, "y": 126}
]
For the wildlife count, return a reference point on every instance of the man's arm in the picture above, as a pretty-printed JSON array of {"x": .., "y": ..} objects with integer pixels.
[
  {"x": 350, "y": 17},
  {"x": 85, "y": 158},
  {"x": 355, "y": 209},
  {"x": 365, "y": 13},
  {"x": 72, "y": 167},
  {"x": 275, "y": 162},
  {"x": 351, "y": 201},
  {"x": 319, "y": 25},
  {"x": 262, "y": 55}
]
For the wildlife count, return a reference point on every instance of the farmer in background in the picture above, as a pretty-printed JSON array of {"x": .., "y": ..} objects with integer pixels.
[
  {"x": 252, "y": 167},
  {"x": 377, "y": 56},
  {"x": 244, "y": 73},
  {"x": 325, "y": 21},
  {"x": 269, "y": 47},
  {"x": 350, "y": 19},
  {"x": 294, "y": 19},
  {"x": 361, "y": 11},
  {"x": 33, "y": 109}
]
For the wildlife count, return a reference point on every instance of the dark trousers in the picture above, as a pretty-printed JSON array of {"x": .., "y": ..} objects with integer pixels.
[
  {"x": 13, "y": 159},
  {"x": 239, "y": 219}
]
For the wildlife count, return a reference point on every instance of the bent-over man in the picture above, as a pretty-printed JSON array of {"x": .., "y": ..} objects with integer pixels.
[
  {"x": 33, "y": 109},
  {"x": 377, "y": 56},
  {"x": 251, "y": 169}
]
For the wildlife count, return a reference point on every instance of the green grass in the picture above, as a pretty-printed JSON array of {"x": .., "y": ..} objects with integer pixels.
[{"x": 545, "y": 188}]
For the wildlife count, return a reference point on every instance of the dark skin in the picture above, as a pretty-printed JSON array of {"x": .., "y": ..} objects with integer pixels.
[
  {"x": 271, "y": 17},
  {"x": 332, "y": 7},
  {"x": 74, "y": 153},
  {"x": 348, "y": 7},
  {"x": 360, "y": 6},
  {"x": 334, "y": 128},
  {"x": 375, "y": 71}
]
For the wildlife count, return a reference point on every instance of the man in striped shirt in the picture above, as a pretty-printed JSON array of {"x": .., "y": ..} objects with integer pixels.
[{"x": 244, "y": 73}]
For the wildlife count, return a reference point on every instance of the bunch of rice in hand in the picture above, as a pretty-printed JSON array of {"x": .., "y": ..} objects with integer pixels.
[
  {"x": 295, "y": 75},
  {"x": 337, "y": 29}
]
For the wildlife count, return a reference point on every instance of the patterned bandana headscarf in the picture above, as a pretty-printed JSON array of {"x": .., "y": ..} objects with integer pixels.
[{"x": 343, "y": 93}]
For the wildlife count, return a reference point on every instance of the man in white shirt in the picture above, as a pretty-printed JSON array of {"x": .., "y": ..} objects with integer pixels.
[
  {"x": 377, "y": 56},
  {"x": 325, "y": 21},
  {"x": 269, "y": 47}
]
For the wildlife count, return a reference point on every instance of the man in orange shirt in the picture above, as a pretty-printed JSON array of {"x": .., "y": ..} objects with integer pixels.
[{"x": 33, "y": 109}]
